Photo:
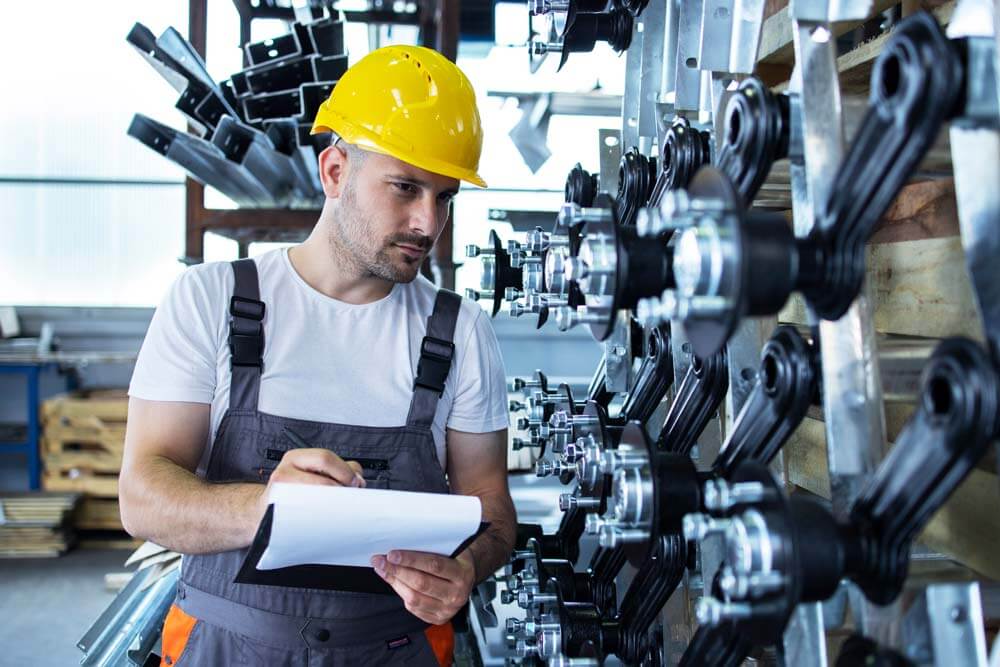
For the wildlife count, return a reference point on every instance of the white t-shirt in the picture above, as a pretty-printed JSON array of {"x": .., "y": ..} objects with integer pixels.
[{"x": 324, "y": 360}]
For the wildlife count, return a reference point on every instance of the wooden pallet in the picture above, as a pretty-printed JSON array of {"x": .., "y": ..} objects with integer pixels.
[
  {"x": 96, "y": 484},
  {"x": 83, "y": 460},
  {"x": 108, "y": 405},
  {"x": 98, "y": 514},
  {"x": 34, "y": 508},
  {"x": 36, "y": 524}
]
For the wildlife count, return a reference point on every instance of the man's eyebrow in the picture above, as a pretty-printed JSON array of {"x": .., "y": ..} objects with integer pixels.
[{"x": 420, "y": 183}]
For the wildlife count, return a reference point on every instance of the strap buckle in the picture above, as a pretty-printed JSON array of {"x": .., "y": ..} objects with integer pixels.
[
  {"x": 246, "y": 332},
  {"x": 436, "y": 355},
  {"x": 250, "y": 309}
]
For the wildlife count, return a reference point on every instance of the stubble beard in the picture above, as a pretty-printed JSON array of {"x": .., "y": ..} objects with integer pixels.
[{"x": 352, "y": 240}]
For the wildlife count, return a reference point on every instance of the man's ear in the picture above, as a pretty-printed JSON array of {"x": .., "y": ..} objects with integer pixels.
[{"x": 333, "y": 171}]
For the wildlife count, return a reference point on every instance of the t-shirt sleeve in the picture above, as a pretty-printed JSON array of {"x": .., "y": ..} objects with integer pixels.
[
  {"x": 177, "y": 360},
  {"x": 481, "y": 395}
]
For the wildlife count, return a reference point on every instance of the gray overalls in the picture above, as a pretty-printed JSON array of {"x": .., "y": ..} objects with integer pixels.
[{"x": 244, "y": 624}]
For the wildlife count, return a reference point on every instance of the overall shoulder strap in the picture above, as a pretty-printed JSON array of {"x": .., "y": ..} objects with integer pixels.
[
  {"x": 437, "y": 350},
  {"x": 246, "y": 337}
]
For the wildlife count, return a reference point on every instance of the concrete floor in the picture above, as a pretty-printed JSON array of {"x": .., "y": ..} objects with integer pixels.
[{"x": 47, "y": 604}]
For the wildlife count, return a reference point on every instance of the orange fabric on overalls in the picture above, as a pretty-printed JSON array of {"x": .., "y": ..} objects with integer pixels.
[
  {"x": 442, "y": 640},
  {"x": 176, "y": 629}
]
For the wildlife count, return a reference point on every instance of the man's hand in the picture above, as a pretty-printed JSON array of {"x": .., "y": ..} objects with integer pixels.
[
  {"x": 433, "y": 587},
  {"x": 313, "y": 466}
]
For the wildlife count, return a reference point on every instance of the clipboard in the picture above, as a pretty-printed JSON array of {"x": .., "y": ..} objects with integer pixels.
[{"x": 325, "y": 577}]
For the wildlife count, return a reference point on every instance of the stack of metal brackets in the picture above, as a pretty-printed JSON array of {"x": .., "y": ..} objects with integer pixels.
[
  {"x": 250, "y": 135},
  {"x": 681, "y": 541}
]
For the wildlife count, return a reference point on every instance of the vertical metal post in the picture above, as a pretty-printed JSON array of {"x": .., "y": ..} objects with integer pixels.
[
  {"x": 687, "y": 96},
  {"x": 633, "y": 82},
  {"x": 34, "y": 429},
  {"x": 852, "y": 393},
  {"x": 653, "y": 62},
  {"x": 194, "y": 192}
]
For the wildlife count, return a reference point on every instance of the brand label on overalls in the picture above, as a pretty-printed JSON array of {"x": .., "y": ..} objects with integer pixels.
[{"x": 398, "y": 643}]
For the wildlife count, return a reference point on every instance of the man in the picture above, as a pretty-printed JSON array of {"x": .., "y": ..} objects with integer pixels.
[{"x": 338, "y": 343}]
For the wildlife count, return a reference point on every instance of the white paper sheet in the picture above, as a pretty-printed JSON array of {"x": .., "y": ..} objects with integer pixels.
[{"x": 334, "y": 525}]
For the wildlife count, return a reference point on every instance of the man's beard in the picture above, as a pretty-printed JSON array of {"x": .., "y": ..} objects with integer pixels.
[{"x": 352, "y": 239}]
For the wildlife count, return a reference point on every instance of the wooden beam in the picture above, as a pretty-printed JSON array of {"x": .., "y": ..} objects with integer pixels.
[
  {"x": 925, "y": 210},
  {"x": 776, "y": 44}
]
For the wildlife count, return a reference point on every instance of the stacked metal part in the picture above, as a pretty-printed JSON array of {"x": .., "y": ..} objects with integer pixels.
[
  {"x": 128, "y": 631},
  {"x": 249, "y": 135},
  {"x": 682, "y": 277}
]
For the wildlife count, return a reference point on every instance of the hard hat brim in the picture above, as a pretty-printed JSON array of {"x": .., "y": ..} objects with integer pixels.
[{"x": 362, "y": 138}]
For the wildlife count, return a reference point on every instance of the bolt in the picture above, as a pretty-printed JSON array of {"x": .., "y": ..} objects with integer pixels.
[
  {"x": 544, "y": 468},
  {"x": 568, "y": 501},
  {"x": 517, "y": 444},
  {"x": 517, "y": 384},
  {"x": 568, "y": 213},
  {"x": 507, "y": 597},
  {"x": 517, "y": 309},
  {"x": 473, "y": 250},
  {"x": 511, "y": 641},
  {"x": 710, "y": 611},
  {"x": 566, "y": 318},
  {"x": 697, "y": 526},
  {"x": 528, "y": 599},
  {"x": 611, "y": 536},
  {"x": 648, "y": 311},
  {"x": 523, "y": 424},
  {"x": 523, "y": 554},
  {"x": 539, "y": 7},
  {"x": 524, "y": 649},
  {"x": 476, "y": 296},
  {"x": 593, "y": 523},
  {"x": 512, "y": 294},
  {"x": 515, "y": 406},
  {"x": 721, "y": 496},
  {"x": 575, "y": 269}
]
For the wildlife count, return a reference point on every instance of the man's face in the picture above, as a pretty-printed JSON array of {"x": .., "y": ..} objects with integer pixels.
[{"x": 390, "y": 214}]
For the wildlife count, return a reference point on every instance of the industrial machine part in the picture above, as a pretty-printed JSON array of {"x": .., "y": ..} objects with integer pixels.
[
  {"x": 916, "y": 83},
  {"x": 579, "y": 24},
  {"x": 756, "y": 134},
  {"x": 784, "y": 551},
  {"x": 685, "y": 150},
  {"x": 636, "y": 178}
]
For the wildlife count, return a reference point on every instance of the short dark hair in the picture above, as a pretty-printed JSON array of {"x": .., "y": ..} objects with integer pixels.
[{"x": 353, "y": 152}]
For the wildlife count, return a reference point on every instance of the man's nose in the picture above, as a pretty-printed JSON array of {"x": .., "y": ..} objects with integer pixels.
[{"x": 424, "y": 217}]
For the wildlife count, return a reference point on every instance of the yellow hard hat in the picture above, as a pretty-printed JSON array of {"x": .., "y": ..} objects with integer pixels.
[{"x": 412, "y": 103}]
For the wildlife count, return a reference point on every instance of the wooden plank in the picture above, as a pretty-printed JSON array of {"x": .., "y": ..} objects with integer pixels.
[
  {"x": 855, "y": 66},
  {"x": 925, "y": 210},
  {"x": 94, "y": 461},
  {"x": 106, "y": 405},
  {"x": 101, "y": 486},
  {"x": 918, "y": 288},
  {"x": 965, "y": 529},
  {"x": 776, "y": 34}
]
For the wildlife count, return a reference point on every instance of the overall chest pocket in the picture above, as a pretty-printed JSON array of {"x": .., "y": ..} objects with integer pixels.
[{"x": 376, "y": 471}]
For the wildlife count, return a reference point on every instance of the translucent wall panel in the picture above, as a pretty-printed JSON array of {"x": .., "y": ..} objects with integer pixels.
[{"x": 114, "y": 245}]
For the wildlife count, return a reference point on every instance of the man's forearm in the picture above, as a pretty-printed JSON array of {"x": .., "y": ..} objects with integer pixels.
[
  {"x": 491, "y": 550},
  {"x": 164, "y": 503}
]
